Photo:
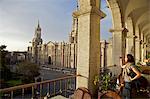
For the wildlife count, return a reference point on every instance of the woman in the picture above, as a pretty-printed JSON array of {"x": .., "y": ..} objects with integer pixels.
[{"x": 127, "y": 69}]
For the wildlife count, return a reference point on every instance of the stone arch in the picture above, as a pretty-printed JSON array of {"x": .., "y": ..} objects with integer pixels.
[
  {"x": 117, "y": 31},
  {"x": 146, "y": 27},
  {"x": 146, "y": 31},
  {"x": 148, "y": 38},
  {"x": 116, "y": 14},
  {"x": 137, "y": 4},
  {"x": 142, "y": 17},
  {"x": 140, "y": 13},
  {"x": 130, "y": 41}
]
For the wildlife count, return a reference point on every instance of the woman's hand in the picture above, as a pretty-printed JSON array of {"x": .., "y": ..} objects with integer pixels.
[{"x": 131, "y": 79}]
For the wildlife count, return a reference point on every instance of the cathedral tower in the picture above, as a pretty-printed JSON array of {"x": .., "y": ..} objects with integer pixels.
[
  {"x": 37, "y": 35},
  {"x": 36, "y": 42}
]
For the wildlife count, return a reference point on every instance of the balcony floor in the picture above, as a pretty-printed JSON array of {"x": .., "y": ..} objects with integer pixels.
[{"x": 58, "y": 97}]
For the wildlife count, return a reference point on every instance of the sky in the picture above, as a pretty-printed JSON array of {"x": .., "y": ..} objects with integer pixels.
[{"x": 19, "y": 18}]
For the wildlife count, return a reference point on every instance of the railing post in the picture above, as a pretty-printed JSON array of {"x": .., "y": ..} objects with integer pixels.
[
  {"x": 32, "y": 91},
  {"x": 67, "y": 84},
  {"x": 40, "y": 91},
  {"x": 65, "y": 88},
  {"x": 54, "y": 88},
  {"x": 23, "y": 93},
  {"x": 48, "y": 88},
  {"x": 11, "y": 94},
  {"x": 60, "y": 87},
  {"x": 74, "y": 83}
]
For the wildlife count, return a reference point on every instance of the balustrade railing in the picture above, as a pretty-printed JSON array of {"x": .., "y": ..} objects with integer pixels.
[{"x": 64, "y": 86}]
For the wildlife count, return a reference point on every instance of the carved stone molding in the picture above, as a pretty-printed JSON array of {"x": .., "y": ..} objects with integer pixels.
[
  {"x": 131, "y": 36},
  {"x": 90, "y": 10}
]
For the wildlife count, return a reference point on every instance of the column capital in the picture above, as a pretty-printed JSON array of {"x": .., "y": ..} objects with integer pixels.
[
  {"x": 131, "y": 36},
  {"x": 125, "y": 30},
  {"x": 89, "y": 10},
  {"x": 144, "y": 43},
  {"x": 138, "y": 40},
  {"x": 116, "y": 30}
]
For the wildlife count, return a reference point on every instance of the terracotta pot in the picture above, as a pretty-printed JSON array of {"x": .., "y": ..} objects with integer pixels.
[{"x": 108, "y": 94}]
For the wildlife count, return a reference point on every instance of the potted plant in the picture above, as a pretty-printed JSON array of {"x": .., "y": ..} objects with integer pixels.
[{"x": 106, "y": 85}]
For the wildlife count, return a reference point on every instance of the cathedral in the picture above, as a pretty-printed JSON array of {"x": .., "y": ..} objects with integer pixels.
[{"x": 61, "y": 54}]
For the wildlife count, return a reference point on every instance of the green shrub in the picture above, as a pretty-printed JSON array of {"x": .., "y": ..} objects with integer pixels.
[{"x": 28, "y": 70}]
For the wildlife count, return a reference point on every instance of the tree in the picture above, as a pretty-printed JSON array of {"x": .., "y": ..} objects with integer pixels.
[
  {"x": 5, "y": 73},
  {"x": 28, "y": 70},
  {"x": 2, "y": 55},
  {"x": 2, "y": 47}
]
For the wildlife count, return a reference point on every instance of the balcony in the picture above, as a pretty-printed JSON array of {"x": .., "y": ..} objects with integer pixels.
[
  {"x": 61, "y": 88},
  {"x": 64, "y": 86}
]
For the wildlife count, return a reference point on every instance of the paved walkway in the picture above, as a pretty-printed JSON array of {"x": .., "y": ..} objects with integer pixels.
[{"x": 58, "y": 97}]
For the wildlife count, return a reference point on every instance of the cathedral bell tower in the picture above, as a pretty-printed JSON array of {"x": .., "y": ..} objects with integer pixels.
[
  {"x": 37, "y": 35},
  {"x": 37, "y": 41}
]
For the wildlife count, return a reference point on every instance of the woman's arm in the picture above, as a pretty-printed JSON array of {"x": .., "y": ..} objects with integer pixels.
[
  {"x": 121, "y": 64},
  {"x": 138, "y": 74}
]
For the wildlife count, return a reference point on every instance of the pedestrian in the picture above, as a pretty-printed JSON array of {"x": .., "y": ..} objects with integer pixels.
[{"x": 128, "y": 68}]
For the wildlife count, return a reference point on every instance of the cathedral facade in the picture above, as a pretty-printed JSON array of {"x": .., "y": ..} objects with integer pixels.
[
  {"x": 61, "y": 54},
  {"x": 64, "y": 54}
]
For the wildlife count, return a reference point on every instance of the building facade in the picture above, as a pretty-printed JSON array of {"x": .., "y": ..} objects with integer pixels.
[
  {"x": 62, "y": 54},
  {"x": 106, "y": 53}
]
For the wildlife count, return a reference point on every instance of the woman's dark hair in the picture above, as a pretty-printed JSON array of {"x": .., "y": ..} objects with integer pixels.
[{"x": 130, "y": 58}]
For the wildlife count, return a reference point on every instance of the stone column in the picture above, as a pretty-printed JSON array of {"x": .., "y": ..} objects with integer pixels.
[
  {"x": 55, "y": 55},
  {"x": 142, "y": 47},
  {"x": 137, "y": 46},
  {"x": 147, "y": 49},
  {"x": 88, "y": 59},
  {"x": 117, "y": 45},
  {"x": 137, "y": 50},
  {"x": 144, "y": 50},
  {"x": 69, "y": 55},
  {"x": 130, "y": 48},
  {"x": 103, "y": 54},
  {"x": 130, "y": 45},
  {"x": 62, "y": 54},
  {"x": 73, "y": 54},
  {"x": 117, "y": 40},
  {"x": 109, "y": 53},
  {"x": 75, "y": 50}
]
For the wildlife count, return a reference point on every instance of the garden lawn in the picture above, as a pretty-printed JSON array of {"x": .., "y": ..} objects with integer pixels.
[{"x": 12, "y": 83}]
